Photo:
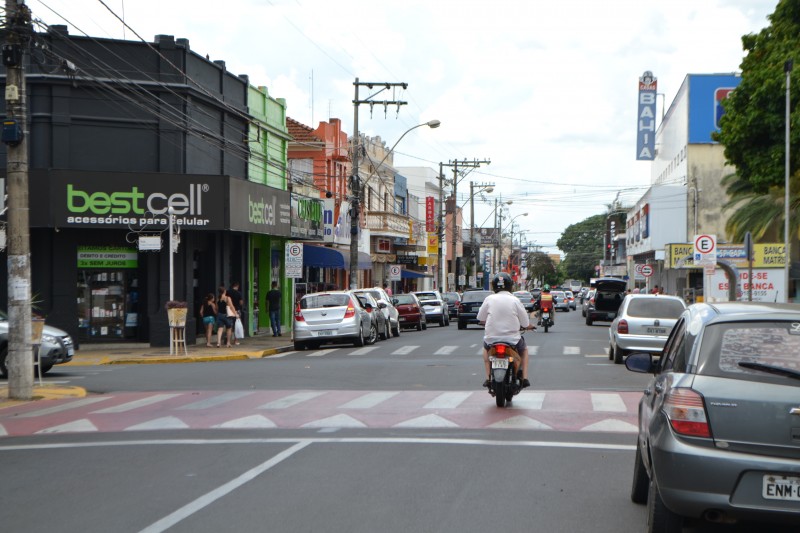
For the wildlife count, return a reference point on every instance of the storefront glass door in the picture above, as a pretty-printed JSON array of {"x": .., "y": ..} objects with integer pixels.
[{"x": 107, "y": 305}]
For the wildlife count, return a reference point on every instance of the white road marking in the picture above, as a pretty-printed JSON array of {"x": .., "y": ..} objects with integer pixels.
[
  {"x": 529, "y": 400},
  {"x": 520, "y": 422},
  {"x": 571, "y": 350},
  {"x": 405, "y": 350},
  {"x": 448, "y": 400},
  {"x": 167, "y": 422},
  {"x": 292, "y": 400},
  {"x": 210, "y": 497},
  {"x": 318, "y": 353},
  {"x": 597, "y": 355},
  {"x": 364, "y": 351},
  {"x": 278, "y": 355},
  {"x": 608, "y": 403},
  {"x": 445, "y": 350},
  {"x": 130, "y": 406},
  {"x": 216, "y": 400},
  {"x": 427, "y": 421},
  {"x": 64, "y": 407},
  {"x": 533, "y": 350},
  {"x": 612, "y": 425},
  {"x": 336, "y": 421},
  {"x": 248, "y": 422},
  {"x": 368, "y": 401},
  {"x": 76, "y": 426}
]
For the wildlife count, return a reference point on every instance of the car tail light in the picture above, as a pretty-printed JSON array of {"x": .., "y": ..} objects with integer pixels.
[
  {"x": 298, "y": 315},
  {"x": 460, "y": 308},
  {"x": 351, "y": 310},
  {"x": 686, "y": 412},
  {"x": 622, "y": 326}
]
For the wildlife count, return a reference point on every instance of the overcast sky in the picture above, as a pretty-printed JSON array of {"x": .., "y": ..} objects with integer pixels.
[{"x": 544, "y": 89}]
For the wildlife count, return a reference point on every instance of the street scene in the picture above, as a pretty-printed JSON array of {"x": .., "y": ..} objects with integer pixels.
[{"x": 441, "y": 267}]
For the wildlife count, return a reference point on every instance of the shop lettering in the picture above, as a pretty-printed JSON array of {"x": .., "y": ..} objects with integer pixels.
[
  {"x": 261, "y": 212},
  {"x": 180, "y": 221},
  {"x": 773, "y": 250},
  {"x": 309, "y": 210},
  {"x": 135, "y": 202}
]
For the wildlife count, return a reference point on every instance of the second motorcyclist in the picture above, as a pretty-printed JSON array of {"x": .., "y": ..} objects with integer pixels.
[
  {"x": 545, "y": 302},
  {"x": 504, "y": 315}
]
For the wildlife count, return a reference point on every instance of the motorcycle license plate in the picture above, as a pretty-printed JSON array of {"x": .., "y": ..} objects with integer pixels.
[
  {"x": 545, "y": 315},
  {"x": 499, "y": 363}
]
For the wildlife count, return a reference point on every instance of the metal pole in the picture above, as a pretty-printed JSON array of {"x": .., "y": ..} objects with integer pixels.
[
  {"x": 786, "y": 226},
  {"x": 455, "y": 235},
  {"x": 355, "y": 192},
  {"x": 440, "y": 265},
  {"x": 19, "y": 361},
  {"x": 170, "y": 250},
  {"x": 471, "y": 230}
]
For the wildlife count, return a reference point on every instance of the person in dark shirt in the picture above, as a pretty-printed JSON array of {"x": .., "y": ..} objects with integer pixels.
[
  {"x": 238, "y": 302},
  {"x": 274, "y": 308}
]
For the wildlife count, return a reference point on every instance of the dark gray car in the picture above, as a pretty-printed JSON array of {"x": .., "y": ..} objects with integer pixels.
[
  {"x": 719, "y": 424},
  {"x": 56, "y": 348}
]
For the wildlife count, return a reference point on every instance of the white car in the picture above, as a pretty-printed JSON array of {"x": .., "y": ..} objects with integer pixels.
[
  {"x": 436, "y": 309},
  {"x": 389, "y": 311},
  {"x": 643, "y": 323},
  {"x": 336, "y": 316}
]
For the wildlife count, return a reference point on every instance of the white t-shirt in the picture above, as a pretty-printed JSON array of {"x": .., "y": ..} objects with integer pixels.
[{"x": 504, "y": 314}]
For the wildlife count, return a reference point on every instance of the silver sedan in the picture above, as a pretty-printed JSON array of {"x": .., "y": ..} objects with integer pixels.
[
  {"x": 642, "y": 324},
  {"x": 326, "y": 317}
]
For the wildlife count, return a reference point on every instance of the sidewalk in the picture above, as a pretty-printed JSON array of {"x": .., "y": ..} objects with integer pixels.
[{"x": 255, "y": 347}]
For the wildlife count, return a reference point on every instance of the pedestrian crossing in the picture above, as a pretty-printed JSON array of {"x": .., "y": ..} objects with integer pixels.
[
  {"x": 533, "y": 350},
  {"x": 139, "y": 411}
]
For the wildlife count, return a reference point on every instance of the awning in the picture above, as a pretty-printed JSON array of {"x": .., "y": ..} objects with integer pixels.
[
  {"x": 410, "y": 274},
  {"x": 323, "y": 257},
  {"x": 327, "y": 257}
]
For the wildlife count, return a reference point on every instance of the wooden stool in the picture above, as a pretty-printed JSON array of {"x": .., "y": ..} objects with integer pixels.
[{"x": 177, "y": 339}]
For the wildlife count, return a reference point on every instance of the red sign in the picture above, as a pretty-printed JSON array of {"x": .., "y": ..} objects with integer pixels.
[
  {"x": 430, "y": 220},
  {"x": 647, "y": 271}
]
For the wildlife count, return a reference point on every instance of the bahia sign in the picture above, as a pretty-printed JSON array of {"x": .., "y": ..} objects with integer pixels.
[{"x": 646, "y": 118}]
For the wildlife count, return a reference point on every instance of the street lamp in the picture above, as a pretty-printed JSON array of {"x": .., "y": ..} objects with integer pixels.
[
  {"x": 510, "y": 224},
  {"x": 356, "y": 187}
]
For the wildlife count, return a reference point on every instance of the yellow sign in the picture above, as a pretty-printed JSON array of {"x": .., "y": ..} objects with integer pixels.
[
  {"x": 433, "y": 244},
  {"x": 765, "y": 255}
]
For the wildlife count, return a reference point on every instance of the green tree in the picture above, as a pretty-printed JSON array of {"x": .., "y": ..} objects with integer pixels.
[
  {"x": 541, "y": 267},
  {"x": 582, "y": 244},
  {"x": 753, "y": 127}
]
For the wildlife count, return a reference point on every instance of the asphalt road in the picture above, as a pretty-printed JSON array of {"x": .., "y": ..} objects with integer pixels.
[{"x": 398, "y": 437}]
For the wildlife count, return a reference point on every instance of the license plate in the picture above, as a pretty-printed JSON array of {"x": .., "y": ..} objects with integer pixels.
[
  {"x": 776, "y": 487},
  {"x": 70, "y": 351},
  {"x": 325, "y": 333},
  {"x": 545, "y": 315},
  {"x": 402, "y": 319},
  {"x": 657, "y": 331},
  {"x": 499, "y": 363}
]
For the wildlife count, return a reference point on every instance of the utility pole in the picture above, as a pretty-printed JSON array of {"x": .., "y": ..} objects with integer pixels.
[
  {"x": 439, "y": 265},
  {"x": 487, "y": 187},
  {"x": 455, "y": 164},
  {"x": 355, "y": 181},
  {"x": 19, "y": 360}
]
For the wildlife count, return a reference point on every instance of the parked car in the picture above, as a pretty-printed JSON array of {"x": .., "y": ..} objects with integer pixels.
[
  {"x": 389, "y": 311},
  {"x": 471, "y": 302},
  {"x": 588, "y": 299},
  {"x": 527, "y": 300},
  {"x": 57, "y": 347},
  {"x": 410, "y": 310},
  {"x": 608, "y": 294},
  {"x": 642, "y": 324},
  {"x": 324, "y": 317},
  {"x": 452, "y": 299},
  {"x": 571, "y": 300},
  {"x": 719, "y": 436},
  {"x": 382, "y": 330},
  {"x": 435, "y": 307},
  {"x": 560, "y": 301}
]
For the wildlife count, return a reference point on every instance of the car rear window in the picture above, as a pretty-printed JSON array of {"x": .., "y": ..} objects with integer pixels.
[
  {"x": 324, "y": 300},
  {"x": 450, "y": 298},
  {"x": 404, "y": 299},
  {"x": 375, "y": 294},
  {"x": 655, "y": 308},
  {"x": 424, "y": 297},
  {"x": 775, "y": 345},
  {"x": 474, "y": 296}
]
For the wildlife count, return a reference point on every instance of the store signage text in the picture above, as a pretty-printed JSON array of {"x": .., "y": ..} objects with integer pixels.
[
  {"x": 261, "y": 212},
  {"x": 646, "y": 118},
  {"x": 98, "y": 257}
]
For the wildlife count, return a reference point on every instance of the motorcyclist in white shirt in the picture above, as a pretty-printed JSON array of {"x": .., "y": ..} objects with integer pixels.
[{"x": 503, "y": 316}]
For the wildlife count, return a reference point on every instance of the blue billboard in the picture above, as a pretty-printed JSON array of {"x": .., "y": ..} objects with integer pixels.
[{"x": 706, "y": 92}]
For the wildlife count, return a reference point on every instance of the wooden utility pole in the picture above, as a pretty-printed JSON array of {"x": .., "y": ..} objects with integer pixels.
[{"x": 19, "y": 360}]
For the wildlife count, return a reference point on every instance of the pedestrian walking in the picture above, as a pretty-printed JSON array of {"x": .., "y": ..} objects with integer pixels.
[
  {"x": 238, "y": 303},
  {"x": 225, "y": 315},
  {"x": 274, "y": 308},
  {"x": 208, "y": 310}
]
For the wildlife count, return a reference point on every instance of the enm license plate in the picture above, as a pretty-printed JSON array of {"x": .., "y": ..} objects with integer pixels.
[
  {"x": 325, "y": 333},
  {"x": 657, "y": 331},
  {"x": 499, "y": 363},
  {"x": 776, "y": 487}
]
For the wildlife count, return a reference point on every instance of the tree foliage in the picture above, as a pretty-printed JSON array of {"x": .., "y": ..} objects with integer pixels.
[
  {"x": 753, "y": 128},
  {"x": 541, "y": 267},
  {"x": 582, "y": 244}
]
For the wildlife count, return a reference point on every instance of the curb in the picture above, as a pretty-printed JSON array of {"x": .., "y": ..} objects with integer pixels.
[{"x": 45, "y": 392}]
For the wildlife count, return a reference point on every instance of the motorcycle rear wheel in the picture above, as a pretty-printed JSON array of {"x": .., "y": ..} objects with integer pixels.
[{"x": 500, "y": 395}]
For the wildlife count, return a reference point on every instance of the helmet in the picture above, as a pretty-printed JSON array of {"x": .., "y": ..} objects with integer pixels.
[
  {"x": 502, "y": 282},
  {"x": 546, "y": 288}
]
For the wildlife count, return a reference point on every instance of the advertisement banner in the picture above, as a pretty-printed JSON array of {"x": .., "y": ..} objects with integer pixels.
[
  {"x": 107, "y": 257},
  {"x": 341, "y": 232},
  {"x": 433, "y": 244},
  {"x": 646, "y": 118},
  {"x": 768, "y": 285},
  {"x": 430, "y": 216},
  {"x": 306, "y": 218},
  {"x": 256, "y": 208},
  {"x": 124, "y": 200},
  {"x": 765, "y": 255}
]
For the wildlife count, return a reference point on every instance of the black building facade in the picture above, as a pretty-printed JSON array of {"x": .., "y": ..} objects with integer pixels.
[{"x": 133, "y": 129}]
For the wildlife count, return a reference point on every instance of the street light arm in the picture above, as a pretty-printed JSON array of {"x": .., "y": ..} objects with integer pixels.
[{"x": 431, "y": 124}]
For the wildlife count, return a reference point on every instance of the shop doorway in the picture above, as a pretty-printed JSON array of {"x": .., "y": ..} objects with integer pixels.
[{"x": 108, "y": 305}]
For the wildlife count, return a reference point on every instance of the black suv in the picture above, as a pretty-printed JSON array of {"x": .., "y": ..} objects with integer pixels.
[
  {"x": 453, "y": 299},
  {"x": 607, "y": 298},
  {"x": 471, "y": 302}
]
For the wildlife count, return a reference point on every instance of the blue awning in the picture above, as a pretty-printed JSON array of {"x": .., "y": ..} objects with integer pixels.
[
  {"x": 410, "y": 274},
  {"x": 326, "y": 257},
  {"x": 322, "y": 257}
]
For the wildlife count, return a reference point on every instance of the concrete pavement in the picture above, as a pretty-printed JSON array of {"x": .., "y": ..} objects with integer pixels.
[{"x": 255, "y": 347}]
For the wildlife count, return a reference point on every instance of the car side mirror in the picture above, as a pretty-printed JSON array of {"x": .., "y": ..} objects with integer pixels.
[
  {"x": 641, "y": 363},
  {"x": 382, "y": 305},
  {"x": 395, "y": 301}
]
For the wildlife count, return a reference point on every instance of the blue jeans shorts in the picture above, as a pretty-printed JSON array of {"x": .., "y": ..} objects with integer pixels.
[
  {"x": 209, "y": 320},
  {"x": 224, "y": 321}
]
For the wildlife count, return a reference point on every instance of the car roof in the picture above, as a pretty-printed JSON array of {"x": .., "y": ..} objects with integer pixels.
[{"x": 737, "y": 311}]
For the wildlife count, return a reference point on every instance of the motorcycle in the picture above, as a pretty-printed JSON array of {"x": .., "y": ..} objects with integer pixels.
[
  {"x": 547, "y": 318},
  {"x": 506, "y": 377}
]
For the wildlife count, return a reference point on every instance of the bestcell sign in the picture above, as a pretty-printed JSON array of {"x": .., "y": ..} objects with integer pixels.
[
  {"x": 257, "y": 208},
  {"x": 125, "y": 200},
  {"x": 646, "y": 118}
]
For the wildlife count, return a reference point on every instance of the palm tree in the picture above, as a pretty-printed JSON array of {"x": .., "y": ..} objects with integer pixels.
[{"x": 760, "y": 213}]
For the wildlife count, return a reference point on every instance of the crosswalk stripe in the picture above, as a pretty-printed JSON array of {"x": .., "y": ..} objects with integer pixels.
[
  {"x": 368, "y": 401},
  {"x": 533, "y": 350},
  {"x": 448, "y": 400},
  {"x": 571, "y": 350},
  {"x": 291, "y": 400},
  {"x": 130, "y": 406},
  {"x": 445, "y": 350},
  {"x": 318, "y": 353},
  {"x": 364, "y": 351},
  {"x": 405, "y": 350},
  {"x": 65, "y": 407},
  {"x": 529, "y": 400},
  {"x": 216, "y": 400},
  {"x": 608, "y": 403}
]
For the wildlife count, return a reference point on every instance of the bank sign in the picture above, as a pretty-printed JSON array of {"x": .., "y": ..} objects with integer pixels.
[
  {"x": 256, "y": 208},
  {"x": 765, "y": 255},
  {"x": 78, "y": 199}
]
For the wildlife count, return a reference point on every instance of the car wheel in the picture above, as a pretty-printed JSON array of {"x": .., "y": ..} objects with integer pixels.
[
  {"x": 619, "y": 356},
  {"x": 419, "y": 325},
  {"x": 299, "y": 346},
  {"x": 462, "y": 325},
  {"x": 640, "y": 484},
  {"x": 588, "y": 321},
  {"x": 659, "y": 518},
  {"x": 385, "y": 334},
  {"x": 442, "y": 322},
  {"x": 373, "y": 334},
  {"x": 3, "y": 355},
  {"x": 359, "y": 340},
  {"x": 424, "y": 325},
  {"x": 583, "y": 313},
  {"x": 610, "y": 352},
  {"x": 396, "y": 331}
]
